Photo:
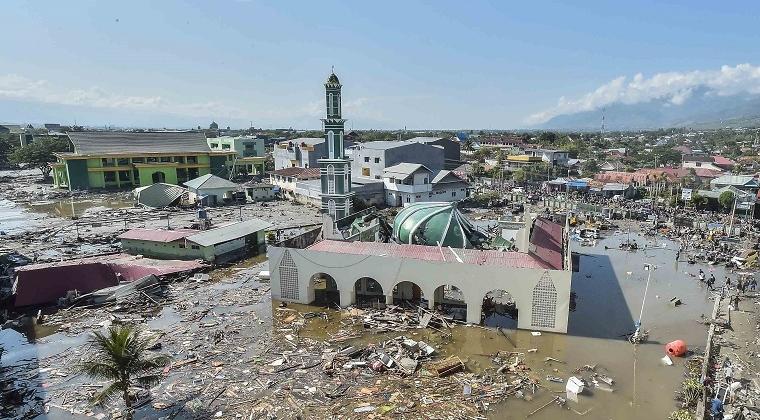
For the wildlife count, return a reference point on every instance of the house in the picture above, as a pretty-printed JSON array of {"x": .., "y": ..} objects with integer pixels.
[
  {"x": 160, "y": 195},
  {"x": 745, "y": 200},
  {"x": 285, "y": 179},
  {"x": 741, "y": 182},
  {"x": 452, "y": 152},
  {"x": 212, "y": 190},
  {"x": 250, "y": 152},
  {"x": 302, "y": 152},
  {"x": 413, "y": 183},
  {"x": 613, "y": 189},
  {"x": 512, "y": 144},
  {"x": 371, "y": 159},
  {"x": 117, "y": 159},
  {"x": 221, "y": 244},
  {"x": 700, "y": 160},
  {"x": 610, "y": 166},
  {"x": 553, "y": 157},
  {"x": 723, "y": 162},
  {"x": 259, "y": 191},
  {"x": 519, "y": 161}
]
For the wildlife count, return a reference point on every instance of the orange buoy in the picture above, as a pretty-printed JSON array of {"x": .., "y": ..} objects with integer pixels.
[{"x": 676, "y": 348}]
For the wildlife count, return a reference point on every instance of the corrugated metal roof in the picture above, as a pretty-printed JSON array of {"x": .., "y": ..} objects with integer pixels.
[
  {"x": 210, "y": 181},
  {"x": 405, "y": 169},
  {"x": 116, "y": 142},
  {"x": 159, "y": 194},
  {"x": 431, "y": 253},
  {"x": 156, "y": 235},
  {"x": 298, "y": 172},
  {"x": 229, "y": 232}
]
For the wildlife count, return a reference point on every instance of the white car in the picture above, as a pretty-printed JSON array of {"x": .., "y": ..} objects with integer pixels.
[{"x": 519, "y": 190}]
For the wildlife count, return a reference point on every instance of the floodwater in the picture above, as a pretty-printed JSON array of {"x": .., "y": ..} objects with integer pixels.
[
  {"x": 17, "y": 218},
  {"x": 609, "y": 290}
]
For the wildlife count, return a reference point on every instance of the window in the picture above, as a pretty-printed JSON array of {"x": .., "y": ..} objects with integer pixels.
[
  {"x": 330, "y": 179},
  {"x": 330, "y": 103},
  {"x": 123, "y": 161},
  {"x": 214, "y": 145},
  {"x": 377, "y": 160},
  {"x": 152, "y": 160},
  {"x": 225, "y": 147},
  {"x": 348, "y": 205},
  {"x": 192, "y": 159},
  {"x": 544, "y": 303},
  {"x": 377, "y": 177},
  {"x": 331, "y": 208},
  {"x": 288, "y": 277},
  {"x": 124, "y": 176},
  {"x": 138, "y": 160},
  {"x": 366, "y": 159},
  {"x": 109, "y": 176},
  {"x": 179, "y": 159},
  {"x": 166, "y": 159},
  {"x": 425, "y": 181},
  {"x": 181, "y": 245},
  {"x": 453, "y": 193},
  {"x": 408, "y": 198},
  {"x": 346, "y": 179},
  {"x": 331, "y": 143},
  {"x": 365, "y": 171},
  {"x": 195, "y": 247}
]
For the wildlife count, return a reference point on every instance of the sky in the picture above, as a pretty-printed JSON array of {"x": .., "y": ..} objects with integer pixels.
[{"x": 415, "y": 64}]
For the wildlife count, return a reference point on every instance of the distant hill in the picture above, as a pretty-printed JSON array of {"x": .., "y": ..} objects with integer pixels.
[{"x": 701, "y": 110}]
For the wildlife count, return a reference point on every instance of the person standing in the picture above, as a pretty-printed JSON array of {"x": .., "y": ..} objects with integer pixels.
[{"x": 710, "y": 282}]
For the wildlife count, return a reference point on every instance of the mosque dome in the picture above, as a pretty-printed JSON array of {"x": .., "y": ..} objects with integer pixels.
[
  {"x": 431, "y": 223},
  {"x": 333, "y": 79}
]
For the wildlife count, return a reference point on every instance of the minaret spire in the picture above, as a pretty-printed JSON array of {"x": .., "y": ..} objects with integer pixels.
[{"x": 335, "y": 169}]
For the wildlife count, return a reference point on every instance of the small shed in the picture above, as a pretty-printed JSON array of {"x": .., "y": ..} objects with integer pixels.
[
  {"x": 259, "y": 191},
  {"x": 212, "y": 190}
]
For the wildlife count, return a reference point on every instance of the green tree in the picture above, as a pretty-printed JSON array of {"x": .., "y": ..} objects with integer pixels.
[
  {"x": 7, "y": 146},
  {"x": 467, "y": 145},
  {"x": 40, "y": 153},
  {"x": 547, "y": 138},
  {"x": 519, "y": 175},
  {"x": 590, "y": 167},
  {"x": 698, "y": 200},
  {"x": 726, "y": 199},
  {"x": 120, "y": 355}
]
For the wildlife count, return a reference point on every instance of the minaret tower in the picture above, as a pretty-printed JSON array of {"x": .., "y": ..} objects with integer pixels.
[{"x": 335, "y": 170}]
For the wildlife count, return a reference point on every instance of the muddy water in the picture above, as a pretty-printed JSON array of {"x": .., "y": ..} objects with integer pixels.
[
  {"x": 17, "y": 218},
  {"x": 609, "y": 289}
]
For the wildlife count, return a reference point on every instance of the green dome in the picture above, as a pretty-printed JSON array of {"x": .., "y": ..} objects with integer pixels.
[
  {"x": 431, "y": 223},
  {"x": 333, "y": 79}
]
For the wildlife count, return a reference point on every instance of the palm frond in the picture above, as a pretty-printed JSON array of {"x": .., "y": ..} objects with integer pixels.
[
  {"x": 147, "y": 381},
  {"x": 99, "y": 370},
  {"x": 109, "y": 393}
]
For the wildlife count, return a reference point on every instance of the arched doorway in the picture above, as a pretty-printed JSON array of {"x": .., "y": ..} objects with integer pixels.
[
  {"x": 325, "y": 290},
  {"x": 408, "y": 293},
  {"x": 499, "y": 310},
  {"x": 368, "y": 292},
  {"x": 450, "y": 301},
  {"x": 158, "y": 177}
]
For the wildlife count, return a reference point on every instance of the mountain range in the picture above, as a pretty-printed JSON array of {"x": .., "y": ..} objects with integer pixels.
[{"x": 702, "y": 110}]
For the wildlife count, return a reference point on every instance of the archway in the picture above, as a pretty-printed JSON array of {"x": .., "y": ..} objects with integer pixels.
[
  {"x": 499, "y": 309},
  {"x": 158, "y": 177},
  {"x": 325, "y": 290},
  {"x": 408, "y": 293},
  {"x": 450, "y": 301},
  {"x": 368, "y": 292}
]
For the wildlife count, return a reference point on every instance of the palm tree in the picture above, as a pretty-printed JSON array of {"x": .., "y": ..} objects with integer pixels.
[{"x": 120, "y": 356}]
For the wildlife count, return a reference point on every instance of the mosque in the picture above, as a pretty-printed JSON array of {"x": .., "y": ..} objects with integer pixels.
[{"x": 431, "y": 254}]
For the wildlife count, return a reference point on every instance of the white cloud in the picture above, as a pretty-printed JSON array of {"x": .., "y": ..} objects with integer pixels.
[
  {"x": 674, "y": 87},
  {"x": 17, "y": 87}
]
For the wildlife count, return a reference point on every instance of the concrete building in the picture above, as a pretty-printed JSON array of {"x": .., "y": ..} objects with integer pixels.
[
  {"x": 537, "y": 278},
  {"x": 302, "y": 152},
  {"x": 452, "y": 149},
  {"x": 552, "y": 157},
  {"x": 258, "y": 191},
  {"x": 413, "y": 183},
  {"x": 286, "y": 179},
  {"x": 110, "y": 159},
  {"x": 211, "y": 190},
  {"x": 250, "y": 152},
  {"x": 221, "y": 244},
  {"x": 370, "y": 159}
]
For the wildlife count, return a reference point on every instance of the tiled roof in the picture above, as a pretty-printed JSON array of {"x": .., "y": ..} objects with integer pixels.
[
  {"x": 297, "y": 172},
  {"x": 156, "y": 235},
  {"x": 720, "y": 160},
  {"x": 431, "y": 253},
  {"x": 116, "y": 142}
]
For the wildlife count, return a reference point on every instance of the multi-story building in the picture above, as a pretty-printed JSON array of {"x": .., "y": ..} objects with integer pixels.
[
  {"x": 335, "y": 168},
  {"x": 250, "y": 152},
  {"x": 452, "y": 150},
  {"x": 552, "y": 157},
  {"x": 413, "y": 183},
  {"x": 302, "y": 152},
  {"x": 370, "y": 159},
  {"x": 110, "y": 159}
]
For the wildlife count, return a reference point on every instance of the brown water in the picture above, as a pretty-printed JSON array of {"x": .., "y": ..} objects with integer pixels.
[
  {"x": 609, "y": 288},
  {"x": 70, "y": 207}
]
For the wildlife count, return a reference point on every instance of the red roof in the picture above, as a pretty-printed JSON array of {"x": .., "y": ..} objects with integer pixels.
[
  {"x": 296, "y": 172},
  {"x": 157, "y": 235},
  {"x": 38, "y": 284},
  {"x": 723, "y": 161},
  {"x": 546, "y": 242},
  {"x": 431, "y": 253}
]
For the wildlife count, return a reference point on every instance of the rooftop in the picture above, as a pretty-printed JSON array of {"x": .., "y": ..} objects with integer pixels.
[
  {"x": 228, "y": 232},
  {"x": 298, "y": 172},
  {"x": 156, "y": 235},
  {"x": 210, "y": 181},
  {"x": 309, "y": 141},
  {"x": 117, "y": 142},
  {"x": 405, "y": 169},
  {"x": 431, "y": 253}
]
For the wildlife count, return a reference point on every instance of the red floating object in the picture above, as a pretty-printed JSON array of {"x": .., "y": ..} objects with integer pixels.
[{"x": 676, "y": 348}]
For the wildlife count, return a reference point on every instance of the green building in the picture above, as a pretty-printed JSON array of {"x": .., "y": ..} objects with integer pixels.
[
  {"x": 250, "y": 153},
  {"x": 109, "y": 159}
]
